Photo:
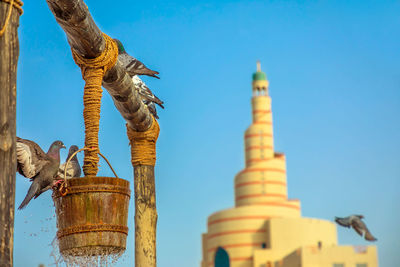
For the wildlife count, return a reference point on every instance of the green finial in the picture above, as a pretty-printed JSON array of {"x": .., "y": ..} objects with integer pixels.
[{"x": 259, "y": 75}]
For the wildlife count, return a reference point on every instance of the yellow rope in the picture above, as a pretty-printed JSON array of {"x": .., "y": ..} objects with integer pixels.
[
  {"x": 143, "y": 144},
  {"x": 13, "y": 3},
  {"x": 93, "y": 71}
]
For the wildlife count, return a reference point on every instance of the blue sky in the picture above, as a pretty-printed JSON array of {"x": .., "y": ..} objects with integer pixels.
[{"x": 334, "y": 72}]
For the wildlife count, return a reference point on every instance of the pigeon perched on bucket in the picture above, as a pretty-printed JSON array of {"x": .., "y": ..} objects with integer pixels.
[
  {"x": 40, "y": 167},
  {"x": 358, "y": 225},
  {"x": 131, "y": 64},
  {"x": 73, "y": 168}
]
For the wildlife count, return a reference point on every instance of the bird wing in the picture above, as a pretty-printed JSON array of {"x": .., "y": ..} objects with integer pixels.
[
  {"x": 152, "y": 108},
  {"x": 135, "y": 67},
  {"x": 368, "y": 236},
  {"x": 358, "y": 229},
  {"x": 361, "y": 228},
  {"x": 73, "y": 170},
  {"x": 145, "y": 92},
  {"x": 345, "y": 222},
  {"x": 30, "y": 158}
]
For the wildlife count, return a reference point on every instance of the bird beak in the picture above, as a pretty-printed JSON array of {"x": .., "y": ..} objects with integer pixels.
[{"x": 63, "y": 146}]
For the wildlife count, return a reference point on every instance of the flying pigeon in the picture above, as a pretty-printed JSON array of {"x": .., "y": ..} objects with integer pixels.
[
  {"x": 357, "y": 224},
  {"x": 131, "y": 64},
  {"x": 73, "y": 169},
  {"x": 40, "y": 167},
  {"x": 147, "y": 96}
]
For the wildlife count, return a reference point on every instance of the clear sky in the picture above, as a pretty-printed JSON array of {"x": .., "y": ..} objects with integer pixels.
[{"x": 334, "y": 72}]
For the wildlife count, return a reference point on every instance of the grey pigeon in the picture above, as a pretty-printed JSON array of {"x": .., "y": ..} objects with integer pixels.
[
  {"x": 131, "y": 64},
  {"x": 73, "y": 169},
  {"x": 40, "y": 167},
  {"x": 358, "y": 225},
  {"x": 147, "y": 96}
]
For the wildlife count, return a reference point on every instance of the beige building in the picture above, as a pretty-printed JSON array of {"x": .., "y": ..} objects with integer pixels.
[{"x": 265, "y": 228}]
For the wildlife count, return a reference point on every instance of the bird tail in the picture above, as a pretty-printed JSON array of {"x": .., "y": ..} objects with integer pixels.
[
  {"x": 31, "y": 193},
  {"x": 153, "y": 98},
  {"x": 368, "y": 236},
  {"x": 149, "y": 72}
]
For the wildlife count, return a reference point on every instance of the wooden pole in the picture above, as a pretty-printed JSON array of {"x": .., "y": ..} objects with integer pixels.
[
  {"x": 9, "y": 52},
  {"x": 145, "y": 216}
]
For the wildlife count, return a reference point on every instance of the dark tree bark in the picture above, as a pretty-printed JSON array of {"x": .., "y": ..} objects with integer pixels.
[
  {"x": 145, "y": 216},
  {"x": 86, "y": 39},
  {"x": 9, "y": 51}
]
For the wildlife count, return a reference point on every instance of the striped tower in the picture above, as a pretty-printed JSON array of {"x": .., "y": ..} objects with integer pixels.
[
  {"x": 260, "y": 191},
  {"x": 263, "y": 181}
]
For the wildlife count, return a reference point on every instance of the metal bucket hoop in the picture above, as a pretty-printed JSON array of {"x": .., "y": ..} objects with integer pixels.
[{"x": 63, "y": 191}]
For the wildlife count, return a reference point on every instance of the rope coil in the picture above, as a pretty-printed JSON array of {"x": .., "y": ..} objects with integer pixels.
[
  {"x": 143, "y": 144},
  {"x": 13, "y": 3},
  {"x": 93, "y": 70}
]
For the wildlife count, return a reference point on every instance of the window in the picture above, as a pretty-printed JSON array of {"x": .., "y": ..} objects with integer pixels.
[
  {"x": 264, "y": 245},
  {"x": 361, "y": 265},
  {"x": 338, "y": 265},
  {"x": 221, "y": 258}
]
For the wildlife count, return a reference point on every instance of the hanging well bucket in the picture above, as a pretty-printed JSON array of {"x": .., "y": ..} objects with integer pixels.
[{"x": 92, "y": 216}]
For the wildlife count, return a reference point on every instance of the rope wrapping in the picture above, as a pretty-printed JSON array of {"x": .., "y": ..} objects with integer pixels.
[
  {"x": 143, "y": 144},
  {"x": 13, "y": 3},
  {"x": 93, "y": 70},
  {"x": 16, "y": 4}
]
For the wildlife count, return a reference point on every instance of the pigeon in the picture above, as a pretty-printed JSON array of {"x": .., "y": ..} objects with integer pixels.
[
  {"x": 147, "y": 96},
  {"x": 357, "y": 224},
  {"x": 40, "y": 167},
  {"x": 73, "y": 169},
  {"x": 131, "y": 64},
  {"x": 134, "y": 67}
]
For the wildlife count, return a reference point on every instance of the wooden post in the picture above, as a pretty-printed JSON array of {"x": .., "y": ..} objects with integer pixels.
[
  {"x": 9, "y": 51},
  {"x": 145, "y": 216}
]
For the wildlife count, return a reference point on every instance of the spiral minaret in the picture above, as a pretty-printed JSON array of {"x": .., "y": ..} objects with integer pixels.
[{"x": 263, "y": 181}]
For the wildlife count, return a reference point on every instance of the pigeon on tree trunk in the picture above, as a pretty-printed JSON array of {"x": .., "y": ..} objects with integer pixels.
[
  {"x": 40, "y": 167},
  {"x": 134, "y": 68},
  {"x": 73, "y": 168},
  {"x": 131, "y": 64},
  {"x": 358, "y": 225},
  {"x": 147, "y": 96}
]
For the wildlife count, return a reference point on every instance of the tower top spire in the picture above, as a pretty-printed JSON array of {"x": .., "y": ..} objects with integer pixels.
[
  {"x": 259, "y": 75},
  {"x": 258, "y": 66}
]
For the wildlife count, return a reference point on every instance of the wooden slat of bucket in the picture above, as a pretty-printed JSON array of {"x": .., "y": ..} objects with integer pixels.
[{"x": 93, "y": 213}]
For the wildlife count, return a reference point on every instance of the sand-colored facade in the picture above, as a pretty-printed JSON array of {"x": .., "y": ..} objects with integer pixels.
[{"x": 265, "y": 228}]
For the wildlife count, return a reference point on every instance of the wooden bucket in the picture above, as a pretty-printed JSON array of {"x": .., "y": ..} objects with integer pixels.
[
  {"x": 92, "y": 214},
  {"x": 92, "y": 217}
]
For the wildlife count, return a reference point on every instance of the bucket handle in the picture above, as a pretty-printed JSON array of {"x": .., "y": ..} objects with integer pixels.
[{"x": 63, "y": 188}]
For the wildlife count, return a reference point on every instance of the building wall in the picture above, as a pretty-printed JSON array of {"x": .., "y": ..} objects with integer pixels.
[
  {"x": 292, "y": 233},
  {"x": 349, "y": 256},
  {"x": 263, "y": 182},
  {"x": 240, "y": 231},
  {"x": 285, "y": 236}
]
